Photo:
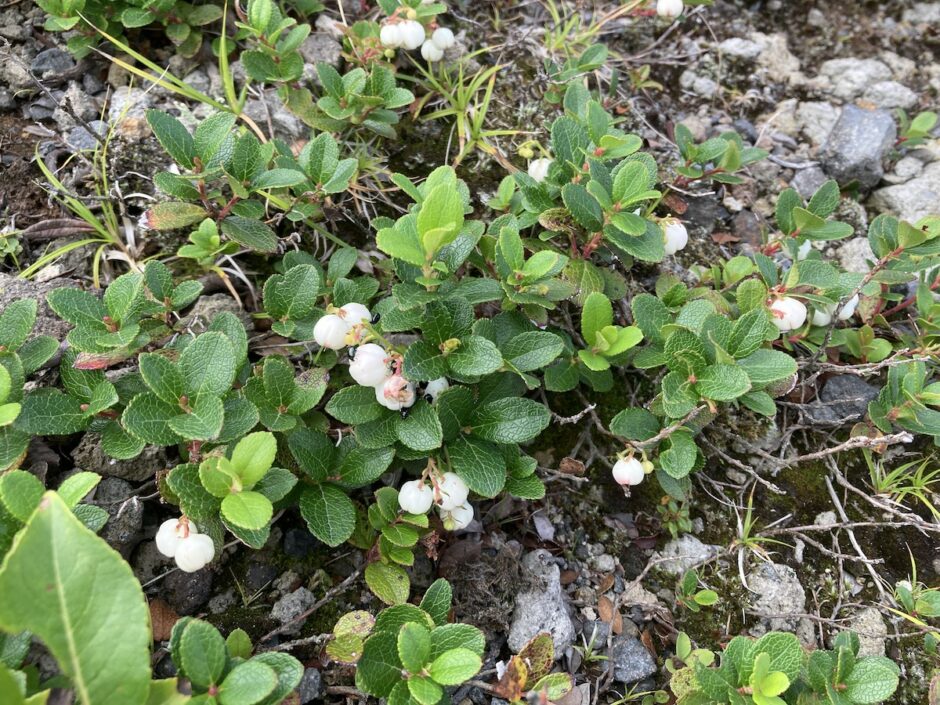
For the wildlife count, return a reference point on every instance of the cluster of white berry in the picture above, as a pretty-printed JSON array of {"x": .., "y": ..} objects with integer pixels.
[
  {"x": 344, "y": 327},
  {"x": 180, "y": 540},
  {"x": 410, "y": 34},
  {"x": 449, "y": 494},
  {"x": 789, "y": 313}
]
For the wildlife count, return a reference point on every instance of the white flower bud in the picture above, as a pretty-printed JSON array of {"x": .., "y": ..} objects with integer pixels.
[
  {"x": 431, "y": 52},
  {"x": 412, "y": 34},
  {"x": 804, "y": 250},
  {"x": 849, "y": 309},
  {"x": 628, "y": 472},
  {"x": 194, "y": 552},
  {"x": 330, "y": 332},
  {"x": 354, "y": 314},
  {"x": 822, "y": 315},
  {"x": 435, "y": 387},
  {"x": 457, "y": 518},
  {"x": 370, "y": 367},
  {"x": 390, "y": 36},
  {"x": 669, "y": 9},
  {"x": 675, "y": 236},
  {"x": 415, "y": 497},
  {"x": 538, "y": 168},
  {"x": 451, "y": 491},
  {"x": 443, "y": 38},
  {"x": 170, "y": 533},
  {"x": 395, "y": 393},
  {"x": 788, "y": 313}
]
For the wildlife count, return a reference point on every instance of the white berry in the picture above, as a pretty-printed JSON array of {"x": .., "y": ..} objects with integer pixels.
[
  {"x": 848, "y": 310},
  {"x": 628, "y": 472},
  {"x": 330, "y": 332},
  {"x": 169, "y": 535},
  {"x": 443, "y": 38},
  {"x": 669, "y": 9},
  {"x": 452, "y": 491},
  {"x": 415, "y": 497},
  {"x": 431, "y": 52},
  {"x": 395, "y": 393},
  {"x": 354, "y": 314},
  {"x": 804, "y": 250},
  {"x": 369, "y": 367},
  {"x": 390, "y": 36},
  {"x": 675, "y": 237},
  {"x": 822, "y": 315},
  {"x": 436, "y": 387},
  {"x": 457, "y": 518},
  {"x": 194, "y": 553},
  {"x": 412, "y": 34},
  {"x": 538, "y": 168},
  {"x": 788, "y": 313}
]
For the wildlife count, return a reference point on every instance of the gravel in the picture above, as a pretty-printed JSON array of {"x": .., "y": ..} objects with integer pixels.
[
  {"x": 51, "y": 62},
  {"x": 685, "y": 552},
  {"x": 777, "y": 590},
  {"x": 914, "y": 199},
  {"x": 291, "y": 606},
  {"x": 857, "y": 144},
  {"x": 631, "y": 660},
  {"x": 542, "y": 606},
  {"x": 890, "y": 94},
  {"x": 848, "y": 78},
  {"x": 844, "y": 398}
]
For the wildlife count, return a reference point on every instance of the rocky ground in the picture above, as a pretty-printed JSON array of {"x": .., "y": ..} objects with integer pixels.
[{"x": 817, "y": 84}]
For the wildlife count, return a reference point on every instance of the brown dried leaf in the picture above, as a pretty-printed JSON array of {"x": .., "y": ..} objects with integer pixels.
[
  {"x": 512, "y": 685},
  {"x": 571, "y": 466},
  {"x": 538, "y": 656},
  {"x": 676, "y": 203},
  {"x": 606, "y": 583},
  {"x": 162, "y": 619}
]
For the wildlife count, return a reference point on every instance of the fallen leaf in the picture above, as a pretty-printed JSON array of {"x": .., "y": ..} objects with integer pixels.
[
  {"x": 676, "y": 203},
  {"x": 162, "y": 619},
  {"x": 724, "y": 238},
  {"x": 571, "y": 466},
  {"x": 606, "y": 583}
]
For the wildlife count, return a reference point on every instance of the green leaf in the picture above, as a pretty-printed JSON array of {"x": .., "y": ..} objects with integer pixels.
[
  {"x": 16, "y": 321},
  {"x": 162, "y": 376},
  {"x": 389, "y": 583},
  {"x": 765, "y": 366},
  {"x": 250, "y": 233},
  {"x": 68, "y": 587},
  {"x": 174, "y": 138},
  {"x": 475, "y": 357},
  {"x": 679, "y": 454},
  {"x": 414, "y": 646},
  {"x": 354, "y": 405},
  {"x": 598, "y": 313},
  {"x": 825, "y": 200},
  {"x": 76, "y": 486},
  {"x": 211, "y": 133},
  {"x": 421, "y": 429},
  {"x": 424, "y": 691},
  {"x": 247, "y": 684},
  {"x": 238, "y": 644},
  {"x": 478, "y": 463},
  {"x": 253, "y": 457},
  {"x": 329, "y": 513},
  {"x": 277, "y": 178},
  {"x": 532, "y": 350},
  {"x": 510, "y": 420},
  {"x": 379, "y": 668},
  {"x": 147, "y": 418},
  {"x": 207, "y": 365},
  {"x": 722, "y": 382},
  {"x": 873, "y": 680},
  {"x": 203, "y": 422},
  {"x": 583, "y": 207},
  {"x": 749, "y": 333},
  {"x": 50, "y": 412},
  {"x": 455, "y": 666},
  {"x": 20, "y": 493},
  {"x": 202, "y": 653},
  {"x": 437, "y": 601},
  {"x": 440, "y": 217},
  {"x": 447, "y": 637},
  {"x": 248, "y": 510},
  {"x": 651, "y": 315}
]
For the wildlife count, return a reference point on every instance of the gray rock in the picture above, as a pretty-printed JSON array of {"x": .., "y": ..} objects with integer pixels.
[
  {"x": 299, "y": 543},
  {"x": 807, "y": 181},
  {"x": 890, "y": 94},
  {"x": 913, "y": 200},
  {"x": 310, "y": 687},
  {"x": 849, "y": 78},
  {"x": 51, "y": 62},
  {"x": 844, "y": 398},
  {"x": 872, "y": 632},
  {"x": 776, "y": 59},
  {"x": 123, "y": 530},
  {"x": 221, "y": 602},
  {"x": 199, "y": 80},
  {"x": 700, "y": 85},
  {"x": 148, "y": 562},
  {"x": 320, "y": 47},
  {"x": 88, "y": 455},
  {"x": 857, "y": 144},
  {"x": 127, "y": 102},
  {"x": 187, "y": 592},
  {"x": 855, "y": 254},
  {"x": 815, "y": 120},
  {"x": 541, "y": 606},
  {"x": 905, "y": 169},
  {"x": 631, "y": 660},
  {"x": 923, "y": 13},
  {"x": 740, "y": 48},
  {"x": 271, "y": 110},
  {"x": 778, "y": 591},
  {"x": 47, "y": 323},
  {"x": 291, "y": 606},
  {"x": 684, "y": 553},
  {"x": 79, "y": 137},
  {"x": 827, "y": 518}
]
